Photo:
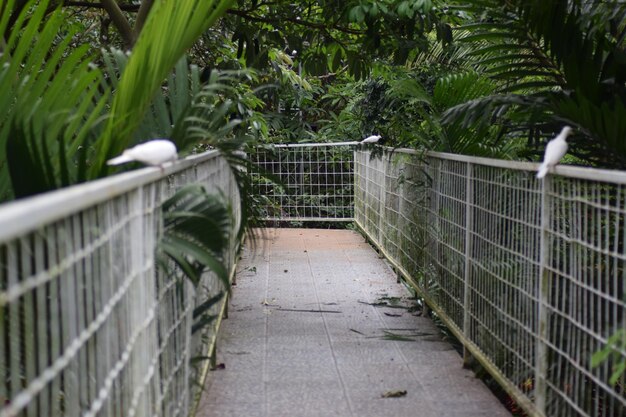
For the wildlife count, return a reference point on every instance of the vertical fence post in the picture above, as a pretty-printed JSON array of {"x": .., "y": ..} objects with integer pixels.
[
  {"x": 355, "y": 187},
  {"x": 541, "y": 354},
  {"x": 140, "y": 252},
  {"x": 382, "y": 214},
  {"x": 469, "y": 226}
]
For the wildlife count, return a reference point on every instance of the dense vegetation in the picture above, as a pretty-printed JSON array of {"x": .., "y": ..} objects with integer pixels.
[{"x": 486, "y": 77}]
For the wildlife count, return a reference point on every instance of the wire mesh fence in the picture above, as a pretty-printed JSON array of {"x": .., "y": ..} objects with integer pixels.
[
  {"x": 529, "y": 275},
  {"x": 88, "y": 326},
  {"x": 305, "y": 182}
]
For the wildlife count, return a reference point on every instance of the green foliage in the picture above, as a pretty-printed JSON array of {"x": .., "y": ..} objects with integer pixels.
[
  {"x": 171, "y": 29},
  {"x": 196, "y": 110},
  {"x": 222, "y": 116},
  {"x": 332, "y": 36},
  {"x": 342, "y": 118},
  {"x": 223, "y": 110},
  {"x": 407, "y": 108},
  {"x": 555, "y": 63},
  {"x": 50, "y": 104},
  {"x": 432, "y": 133},
  {"x": 53, "y": 97},
  {"x": 196, "y": 233},
  {"x": 613, "y": 352},
  {"x": 200, "y": 112},
  {"x": 201, "y": 314}
]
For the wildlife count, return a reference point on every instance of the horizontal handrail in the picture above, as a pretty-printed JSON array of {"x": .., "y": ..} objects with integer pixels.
[
  {"x": 25, "y": 215},
  {"x": 588, "y": 173},
  {"x": 571, "y": 171},
  {"x": 313, "y": 145}
]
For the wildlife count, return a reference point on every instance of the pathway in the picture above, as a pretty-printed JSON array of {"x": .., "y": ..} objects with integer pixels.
[{"x": 305, "y": 337}]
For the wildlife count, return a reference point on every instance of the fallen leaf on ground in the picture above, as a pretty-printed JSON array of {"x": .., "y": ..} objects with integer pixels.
[
  {"x": 307, "y": 311},
  {"x": 392, "y": 314},
  {"x": 397, "y": 337},
  {"x": 376, "y": 304},
  {"x": 394, "y": 394},
  {"x": 383, "y": 304}
]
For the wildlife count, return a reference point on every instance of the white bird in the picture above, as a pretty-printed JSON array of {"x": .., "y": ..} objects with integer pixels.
[
  {"x": 371, "y": 139},
  {"x": 155, "y": 152},
  {"x": 555, "y": 150}
]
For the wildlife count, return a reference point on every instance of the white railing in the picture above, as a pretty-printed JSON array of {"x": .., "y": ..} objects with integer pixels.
[
  {"x": 530, "y": 275},
  {"x": 305, "y": 182},
  {"x": 87, "y": 325}
]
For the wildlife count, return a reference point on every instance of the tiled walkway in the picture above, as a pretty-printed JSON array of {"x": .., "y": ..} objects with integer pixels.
[{"x": 306, "y": 337}]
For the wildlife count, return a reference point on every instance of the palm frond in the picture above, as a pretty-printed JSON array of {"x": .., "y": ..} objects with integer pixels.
[
  {"x": 170, "y": 30},
  {"x": 196, "y": 233},
  {"x": 50, "y": 103},
  {"x": 554, "y": 63},
  {"x": 168, "y": 104},
  {"x": 504, "y": 48}
]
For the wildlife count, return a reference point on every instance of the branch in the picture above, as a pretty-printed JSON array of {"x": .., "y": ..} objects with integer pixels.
[
  {"x": 144, "y": 9},
  {"x": 300, "y": 22},
  {"x": 123, "y": 7},
  {"x": 120, "y": 21}
]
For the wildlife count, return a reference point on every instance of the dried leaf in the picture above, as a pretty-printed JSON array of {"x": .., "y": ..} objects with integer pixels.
[
  {"x": 218, "y": 367},
  {"x": 394, "y": 394},
  {"x": 307, "y": 311},
  {"x": 397, "y": 337}
]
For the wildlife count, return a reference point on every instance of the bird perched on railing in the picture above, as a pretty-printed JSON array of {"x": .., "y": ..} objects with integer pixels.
[
  {"x": 154, "y": 152},
  {"x": 371, "y": 139},
  {"x": 555, "y": 150}
]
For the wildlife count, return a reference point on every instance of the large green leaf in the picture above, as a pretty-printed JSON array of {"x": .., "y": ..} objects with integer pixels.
[
  {"x": 169, "y": 103},
  {"x": 49, "y": 102},
  {"x": 196, "y": 233},
  {"x": 170, "y": 30},
  {"x": 555, "y": 63}
]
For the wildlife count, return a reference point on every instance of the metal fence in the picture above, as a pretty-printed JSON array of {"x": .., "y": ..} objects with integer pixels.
[
  {"x": 305, "y": 182},
  {"x": 529, "y": 274},
  {"x": 87, "y": 325}
]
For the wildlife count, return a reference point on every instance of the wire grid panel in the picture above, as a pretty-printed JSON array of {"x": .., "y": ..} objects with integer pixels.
[
  {"x": 585, "y": 297},
  {"x": 369, "y": 183},
  {"x": 530, "y": 278},
  {"x": 87, "y": 325},
  {"x": 403, "y": 217},
  {"x": 305, "y": 182},
  {"x": 503, "y": 276}
]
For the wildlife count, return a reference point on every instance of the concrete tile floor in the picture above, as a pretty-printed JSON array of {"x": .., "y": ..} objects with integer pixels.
[{"x": 281, "y": 362}]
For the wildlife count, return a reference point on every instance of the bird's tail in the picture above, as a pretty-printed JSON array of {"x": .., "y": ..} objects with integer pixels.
[
  {"x": 543, "y": 170},
  {"x": 122, "y": 159}
]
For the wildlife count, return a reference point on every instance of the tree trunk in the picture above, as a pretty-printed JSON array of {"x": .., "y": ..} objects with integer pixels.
[{"x": 120, "y": 22}]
